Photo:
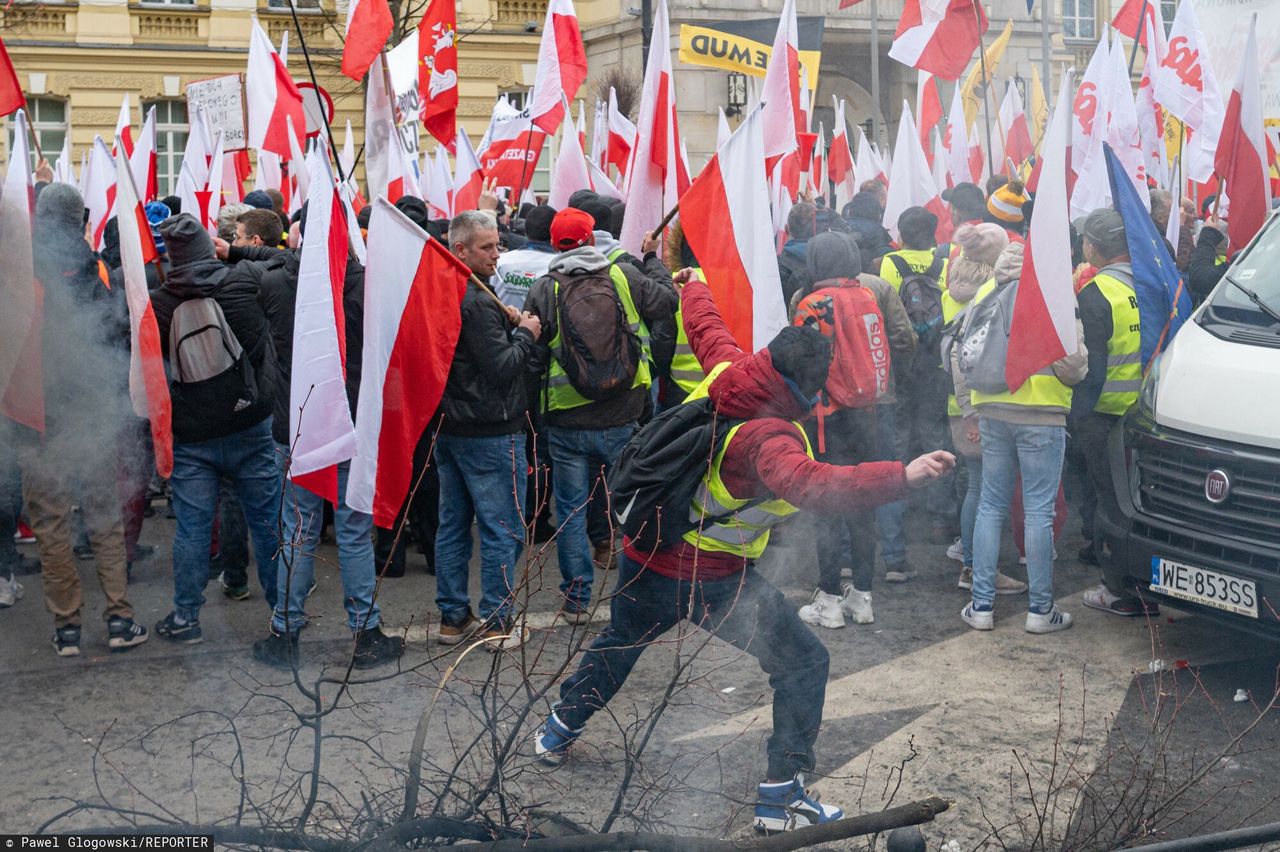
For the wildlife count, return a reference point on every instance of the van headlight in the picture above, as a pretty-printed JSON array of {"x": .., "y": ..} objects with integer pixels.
[{"x": 1147, "y": 395}]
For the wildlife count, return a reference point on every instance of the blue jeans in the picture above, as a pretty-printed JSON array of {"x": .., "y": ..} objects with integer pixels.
[
  {"x": 889, "y": 516},
  {"x": 248, "y": 459},
  {"x": 969, "y": 508},
  {"x": 746, "y": 611},
  {"x": 303, "y": 520},
  {"x": 484, "y": 478},
  {"x": 1037, "y": 451},
  {"x": 580, "y": 457}
]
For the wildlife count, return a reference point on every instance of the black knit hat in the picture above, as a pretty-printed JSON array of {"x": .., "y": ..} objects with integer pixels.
[{"x": 802, "y": 355}]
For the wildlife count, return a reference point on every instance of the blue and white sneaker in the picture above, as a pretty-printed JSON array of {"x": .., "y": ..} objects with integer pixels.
[
  {"x": 552, "y": 741},
  {"x": 787, "y": 806}
]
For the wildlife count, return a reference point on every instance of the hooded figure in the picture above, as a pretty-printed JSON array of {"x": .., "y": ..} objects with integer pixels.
[
  {"x": 864, "y": 214},
  {"x": 764, "y": 472}
]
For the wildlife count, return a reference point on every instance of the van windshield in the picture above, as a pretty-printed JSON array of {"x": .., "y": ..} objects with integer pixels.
[{"x": 1259, "y": 271}]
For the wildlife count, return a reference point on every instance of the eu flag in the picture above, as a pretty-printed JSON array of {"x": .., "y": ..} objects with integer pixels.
[{"x": 1156, "y": 279}]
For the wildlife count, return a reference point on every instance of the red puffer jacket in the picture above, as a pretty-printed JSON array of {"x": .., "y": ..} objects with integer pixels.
[{"x": 767, "y": 455}]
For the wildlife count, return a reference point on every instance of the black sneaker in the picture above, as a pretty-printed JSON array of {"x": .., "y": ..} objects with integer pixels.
[
  {"x": 177, "y": 630},
  {"x": 66, "y": 640},
  {"x": 237, "y": 592},
  {"x": 277, "y": 650},
  {"x": 26, "y": 566},
  {"x": 142, "y": 552},
  {"x": 124, "y": 633},
  {"x": 373, "y": 648}
]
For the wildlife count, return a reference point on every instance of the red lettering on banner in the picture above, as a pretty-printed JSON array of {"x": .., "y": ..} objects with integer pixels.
[
  {"x": 1085, "y": 106},
  {"x": 1185, "y": 62}
]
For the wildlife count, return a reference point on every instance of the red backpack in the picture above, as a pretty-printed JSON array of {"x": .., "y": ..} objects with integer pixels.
[{"x": 849, "y": 315}]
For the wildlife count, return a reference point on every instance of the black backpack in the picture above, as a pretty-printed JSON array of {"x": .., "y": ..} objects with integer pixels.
[
  {"x": 209, "y": 369},
  {"x": 922, "y": 297},
  {"x": 656, "y": 477},
  {"x": 599, "y": 352}
]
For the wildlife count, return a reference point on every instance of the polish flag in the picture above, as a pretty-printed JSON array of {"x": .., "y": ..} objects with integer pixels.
[
  {"x": 911, "y": 182},
  {"x": 622, "y": 136},
  {"x": 298, "y": 170},
  {"x": 273, "y": 98},
  {"x": 124, "y": 129},
  {"x": 840, "y": 169},
  {"x": 657, "y": 176},
  {"x": 1129, "y": 22},
  {"x": 569, "y": 173},
  {"x": 939, "y": 36},
  {"x": 955, "y": 140},
  {"x": 599, "y": 133},
  {"x": 368, "y": 28},
  {"x": 142, "y": 162},
  {"x": 562, "y": 66},
  {"x": 411, "y": 324},
  {"x": 512, "y": 147},
  {"x": 440, "y": 194},
  {"x": 783, "y": 117},
  {"x": 62, "y": 172},
  {"x": 582, "y": 126},
  {"x": 468, "y": 180},
  {"x": 1017, "y": 136},
  {"x": 379, "y": 120},
  {"x": 1242, "y": 160},
  {"x": 11, "y": 97},
  {"x": 734, "y": 243},
  {"x": 1186, "y": 86},
  {"x": 940, "y": 174},
  {"x": 199, "y": 150},
  {"x": 148, "y": 385},
  {"x": 99, "y": 189},
  {"x": 22, "y": 320},
  {"x": 269, "y": 174},
  {"x": 1043, "y": 328},
  {"x": 928, "y": 105},
  {"x": 869, "y": 165},
  {"x": 402, "y": 177},
  {"x": 817, "y": 177},
  {"x": 320, "y": 426},
  {"x": 601, "y": 183}
]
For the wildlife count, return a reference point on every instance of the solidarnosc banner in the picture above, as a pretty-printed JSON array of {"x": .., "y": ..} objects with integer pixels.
[{"x": 745, "y": 45}]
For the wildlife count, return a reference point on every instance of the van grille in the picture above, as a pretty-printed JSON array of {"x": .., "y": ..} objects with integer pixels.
[{"x": 1171, "y": 484}]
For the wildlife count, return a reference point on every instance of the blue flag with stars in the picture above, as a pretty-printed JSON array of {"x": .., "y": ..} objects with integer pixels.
[{"x": 1164, "y": 303}]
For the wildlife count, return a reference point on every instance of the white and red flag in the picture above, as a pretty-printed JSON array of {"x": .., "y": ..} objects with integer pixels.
[
  {"x": 840, "y": 160},
  {"x": 599, "y": 133},
  {"x": 657, "y": 176},
  {"x": 939, "y": 36},
  {"x": 1043, "y": 328},
  {"x": 142, "y": 162},
  {"x": 438, "y": 70},
  {"x": 1242, "y": 160},
  {"x": 321, "y": 431},
  {"x": 379, "y": 119},
  {"x": 124, "y": 129},
  {"x": 148, "y": 385},
  {"x": 99, "y": 189},
  {"x": 438, "y": 189},
  {"x": 369, "y": 26},
  {"x": 911, "y": 182},
  {"x": 562, "y": 66},
  {"x": 601, "y": 183},
  {"x": 956, "y": 140},
  {"x": 11, "y": 96},
  {"x": 722, "y": 129},
  {"x": 62, "y": 170},
  {"x": 928, "y": 105},
  {"x": 734, "y": 243},
  {"x": 569, "y": 173},
  {"x": 783, "y": 117},
  {"x": 622, "y": 136},
  {"x": 1151, "y": 120},
  {"x": 513, "y": 144},
  {"x": 817, "y": 176},
  {"x": 402, "y": 177},
  {"x": 411, "y": 324},
  {"x": 468, "y": 178},
  {"x": 1186, "y": 86},
  {"x": 869, "y": 166},
  {"x": 271, "y": 95},
  {"x": 1017, "y": 135},
  {"x": 1129, "y": 21},
  {"x": 22, "y": 320}
]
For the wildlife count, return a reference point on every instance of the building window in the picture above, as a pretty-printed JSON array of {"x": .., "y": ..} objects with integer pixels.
[
  {"x": 48, "y": 118},
  {"x": 171, "y": 141},
  {"x": 1079, "y": 20},
  {"x": 168, "y": 2},
  {"x": 301, "y": 4}
]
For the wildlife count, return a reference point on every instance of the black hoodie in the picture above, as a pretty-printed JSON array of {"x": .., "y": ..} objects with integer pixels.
[{"x": 235, "y": 289}]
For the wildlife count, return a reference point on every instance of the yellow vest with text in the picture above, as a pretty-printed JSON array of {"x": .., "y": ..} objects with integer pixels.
[
  {"x": 918, "y": 260},
  {"x": 1043, "y": 390},
  {"x": 559, "y": 394},
  {"x": 1124, "y": 348},
  {"x": 746, "y": 532},
  {"x": 685, "y": 369}
]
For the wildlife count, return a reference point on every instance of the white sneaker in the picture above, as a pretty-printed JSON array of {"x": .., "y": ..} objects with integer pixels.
[
  {"x": 1048, "y": 622},
  {"x": 956, "y": 550},
  {"x": 10, "y": 592},
  {"x": 857, "y": 605},
  {"x": 978, "y": 619},
  {"x": 825, "y": 611}
]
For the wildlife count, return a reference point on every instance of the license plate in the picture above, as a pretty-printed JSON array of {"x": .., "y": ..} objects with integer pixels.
[{"x": 1202, "y": 586}]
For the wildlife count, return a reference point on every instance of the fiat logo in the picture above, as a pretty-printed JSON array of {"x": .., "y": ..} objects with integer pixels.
[{"x": 1217, "y": 486}]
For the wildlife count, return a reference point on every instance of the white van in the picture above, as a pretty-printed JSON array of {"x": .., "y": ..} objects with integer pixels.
[{"x": 1196, "y": 463}]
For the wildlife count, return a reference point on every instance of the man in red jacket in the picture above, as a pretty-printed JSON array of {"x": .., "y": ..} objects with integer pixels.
[{"x": 711, "y": 572}]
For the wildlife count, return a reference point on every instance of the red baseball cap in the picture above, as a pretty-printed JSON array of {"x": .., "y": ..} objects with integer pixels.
[{"x": 571, "y": 228}]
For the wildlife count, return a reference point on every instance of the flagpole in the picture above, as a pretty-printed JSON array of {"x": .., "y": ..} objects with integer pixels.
[
  {"x": 986, "y": 87},
  {"x": 306, "y": 54},
  {"x": 1137, "y": 36},
  {"x": 875, "y": 71},
  {"x": 1047, "y": 86}
]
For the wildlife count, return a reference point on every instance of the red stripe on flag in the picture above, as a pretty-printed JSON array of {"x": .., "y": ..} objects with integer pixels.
[
  {"x": 717, "y": 251},
  {"x": 159, "y": 406}
]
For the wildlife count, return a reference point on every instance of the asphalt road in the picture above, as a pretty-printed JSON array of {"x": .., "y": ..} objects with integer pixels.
[{"x": 1065, "y": 736}]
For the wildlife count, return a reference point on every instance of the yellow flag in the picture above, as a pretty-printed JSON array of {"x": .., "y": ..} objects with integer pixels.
[
  {"x": 1038, "y": 111},
  {"x": 968, "y": 92}
]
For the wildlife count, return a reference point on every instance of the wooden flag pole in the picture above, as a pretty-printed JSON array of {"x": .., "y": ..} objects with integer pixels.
[{"x": 986, "y": 86}]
